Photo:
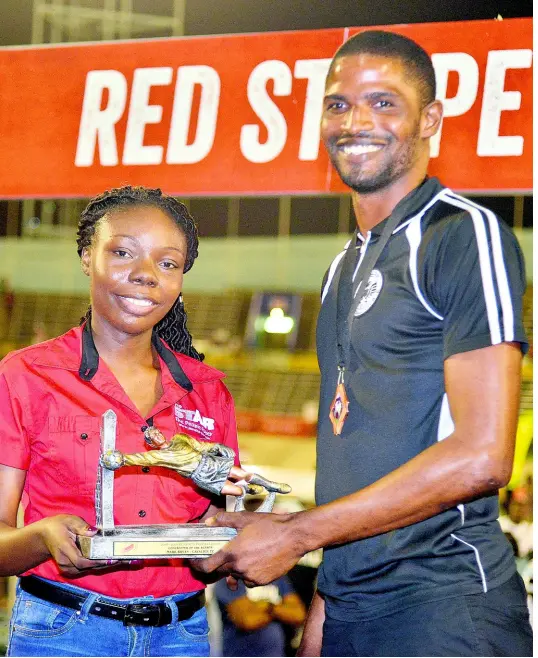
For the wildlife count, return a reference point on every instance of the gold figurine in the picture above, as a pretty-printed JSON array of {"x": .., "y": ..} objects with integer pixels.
[{"x": 208, "y": 465}]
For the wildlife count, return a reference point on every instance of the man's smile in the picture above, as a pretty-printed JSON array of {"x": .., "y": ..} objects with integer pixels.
[{"x": 359, "y": 149}]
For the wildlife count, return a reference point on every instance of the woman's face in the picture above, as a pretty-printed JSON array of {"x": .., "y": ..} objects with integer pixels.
[{"x": 135, "y": 264}]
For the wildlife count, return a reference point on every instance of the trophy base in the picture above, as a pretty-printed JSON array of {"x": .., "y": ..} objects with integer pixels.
[{"x": 130, "y": 542}]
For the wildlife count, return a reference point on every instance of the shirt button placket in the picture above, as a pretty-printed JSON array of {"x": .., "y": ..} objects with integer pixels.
[{"x": 143, "y": 503}]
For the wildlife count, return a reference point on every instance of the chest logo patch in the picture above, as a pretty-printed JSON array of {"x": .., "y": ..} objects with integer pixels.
[
  {"x": 192, "y": 421},
  {"x": 373, "y": 289}
]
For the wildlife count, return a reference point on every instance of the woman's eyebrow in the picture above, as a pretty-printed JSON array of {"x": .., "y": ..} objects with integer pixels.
[{"x": 134, "y": 239}]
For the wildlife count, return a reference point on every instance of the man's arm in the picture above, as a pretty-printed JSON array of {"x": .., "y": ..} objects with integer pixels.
[
  {"x": 475, "y": 460},
  {"x": 313, "y": 628}
]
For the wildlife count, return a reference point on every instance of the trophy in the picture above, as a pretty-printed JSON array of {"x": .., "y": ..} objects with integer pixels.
[{"x": 207, "y": 464}]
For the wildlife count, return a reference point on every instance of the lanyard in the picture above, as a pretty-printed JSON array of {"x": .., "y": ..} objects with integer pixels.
[{"x": 346, "y": 304}]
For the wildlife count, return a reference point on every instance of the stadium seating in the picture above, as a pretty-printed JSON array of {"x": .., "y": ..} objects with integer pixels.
[{"x": 275, "y": 391}]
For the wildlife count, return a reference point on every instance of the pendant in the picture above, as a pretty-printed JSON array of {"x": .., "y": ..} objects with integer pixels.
[{"x": 339, "y": 406}]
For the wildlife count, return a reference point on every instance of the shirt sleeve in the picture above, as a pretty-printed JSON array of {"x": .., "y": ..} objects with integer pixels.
[
  {"x": 14, "y": 443},
  {"x": 475, "y": 278}
]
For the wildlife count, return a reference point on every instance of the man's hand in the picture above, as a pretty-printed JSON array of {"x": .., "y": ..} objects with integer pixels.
[{"x": 265, "y": 548}]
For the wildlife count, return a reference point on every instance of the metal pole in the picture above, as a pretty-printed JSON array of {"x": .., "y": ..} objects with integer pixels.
[
  {"x": 519, "y": 202},
  {"x": 12, "y": 218},
  {"x": 125, "y": 23},
  {"x": 284, "y": 216},
  {"x": 38, "y": 22},
  {"x": 73, "y": 22},
  {"x": 178, "y": 26},
  {"x": 28, "y": 211},
  {"x": 108, "y": 22},
  {"x": 233, "y": 217},
  {"x": 56, "y": 22},
  {"x": 343, "y": 213}
]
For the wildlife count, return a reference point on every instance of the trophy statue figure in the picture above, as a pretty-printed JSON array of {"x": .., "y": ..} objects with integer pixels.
[{"x": 209, "y": 465}]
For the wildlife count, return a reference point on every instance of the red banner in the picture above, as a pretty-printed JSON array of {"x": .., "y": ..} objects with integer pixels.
[{"x": 239, "y": 114}]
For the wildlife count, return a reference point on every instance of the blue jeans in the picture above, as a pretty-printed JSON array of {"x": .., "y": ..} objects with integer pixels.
[{"x": 40, "y": 628}]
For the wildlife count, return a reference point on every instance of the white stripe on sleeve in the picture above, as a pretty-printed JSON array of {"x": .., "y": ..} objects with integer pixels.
[
  {"x": 413, "y": 234},
  {"x": 332, "y": 270},
  {"x": 485, "y": 265},
  {"x": 500, "y": 269}
]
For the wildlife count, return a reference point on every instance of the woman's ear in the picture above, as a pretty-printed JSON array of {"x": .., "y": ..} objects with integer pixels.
[{"x": 85, "y": 259}]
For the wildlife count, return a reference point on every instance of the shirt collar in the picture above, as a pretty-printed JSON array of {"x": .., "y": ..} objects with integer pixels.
[
  {"x": 411, "y": 204},
  {"x": 76, "y": 350}
]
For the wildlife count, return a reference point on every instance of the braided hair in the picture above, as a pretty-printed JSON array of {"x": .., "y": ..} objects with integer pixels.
[{"x": 173, "y": 327}]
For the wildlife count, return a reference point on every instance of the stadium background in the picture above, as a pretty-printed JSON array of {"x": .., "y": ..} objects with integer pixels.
[{"x": 234, "y": 284}]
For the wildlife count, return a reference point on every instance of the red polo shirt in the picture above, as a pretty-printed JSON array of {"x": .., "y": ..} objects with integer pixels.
[{"x": 50, "y": 427}]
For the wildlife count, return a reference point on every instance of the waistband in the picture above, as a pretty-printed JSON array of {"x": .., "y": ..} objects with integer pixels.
[{"x": 143, "y": 613}]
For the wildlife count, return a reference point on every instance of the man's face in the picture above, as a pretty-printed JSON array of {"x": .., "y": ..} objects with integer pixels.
[{"x": 372, "y": 121}]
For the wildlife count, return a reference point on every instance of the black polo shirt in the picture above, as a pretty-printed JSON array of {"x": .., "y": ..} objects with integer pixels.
[{"x": 450, "y": 280}]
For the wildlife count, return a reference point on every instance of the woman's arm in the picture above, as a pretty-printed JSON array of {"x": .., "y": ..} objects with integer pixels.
[{"x": 54, "y": 536}]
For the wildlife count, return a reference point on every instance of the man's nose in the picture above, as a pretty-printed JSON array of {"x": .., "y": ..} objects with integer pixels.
[{"x": 359, "y": 117}]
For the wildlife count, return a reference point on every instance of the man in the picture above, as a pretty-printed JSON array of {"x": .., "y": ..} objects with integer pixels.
[{"x": 426, "y": 356}]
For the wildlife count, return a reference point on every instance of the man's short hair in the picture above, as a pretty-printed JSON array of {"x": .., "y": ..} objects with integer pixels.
[{"x": 395, "y": 46}]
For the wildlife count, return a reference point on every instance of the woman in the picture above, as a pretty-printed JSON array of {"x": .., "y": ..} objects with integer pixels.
[{"x": 132, "y": 354}]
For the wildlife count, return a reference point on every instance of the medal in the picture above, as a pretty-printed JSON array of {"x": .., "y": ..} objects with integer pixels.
[{"x": 340, "y": 405}]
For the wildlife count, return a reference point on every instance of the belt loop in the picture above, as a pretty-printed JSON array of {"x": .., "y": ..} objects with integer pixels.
[
  {"x": 170, "y": 602},
  {"x": 85, "y": 609}
]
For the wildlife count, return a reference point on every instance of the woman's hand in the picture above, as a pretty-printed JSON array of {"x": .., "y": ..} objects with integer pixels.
[
  {"x": 23, "y": 548},
  {"x": 59, "y": 534}
]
